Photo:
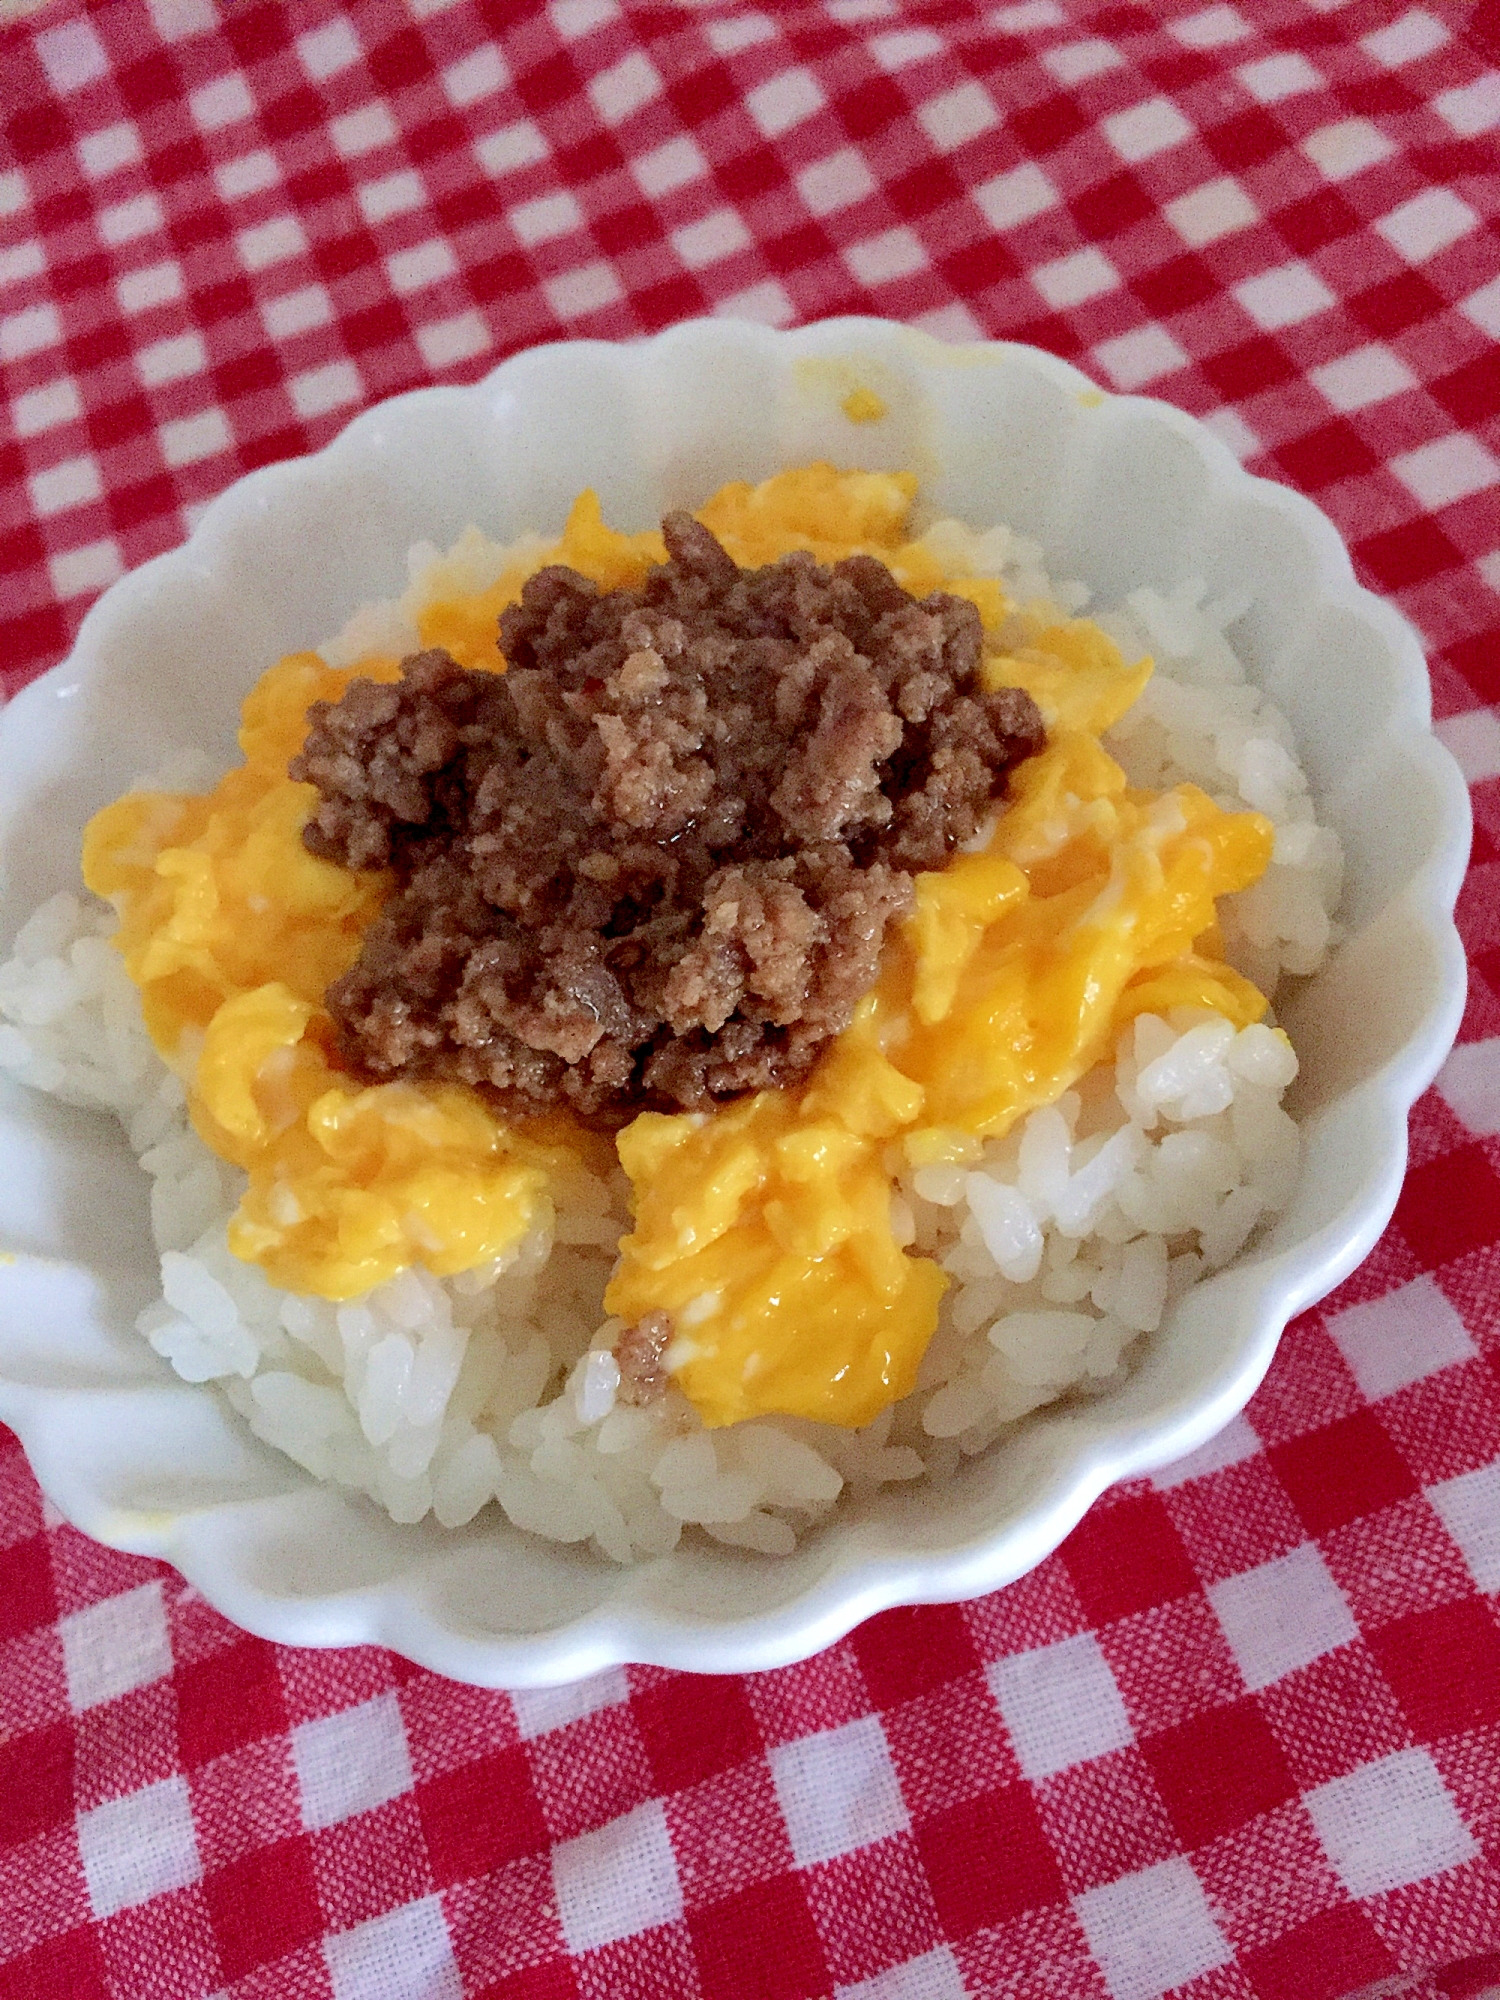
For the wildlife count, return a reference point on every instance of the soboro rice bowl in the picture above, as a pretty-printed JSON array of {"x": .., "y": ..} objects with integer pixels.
[{"x": 534, "y": 1328}]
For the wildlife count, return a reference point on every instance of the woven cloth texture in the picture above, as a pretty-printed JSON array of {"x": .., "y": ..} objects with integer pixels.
[{"x": 1239, "y": 1739}]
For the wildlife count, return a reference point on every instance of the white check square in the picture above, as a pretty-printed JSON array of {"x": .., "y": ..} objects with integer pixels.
[
  {"x": 904, "y": 46},
  {"x": 634, "y": 81},
  {"x": 322, "y": 389},
  {"x": 192, "y": 439},
  {"x": 1060, "y": 1704},
  {"x": 740, "y": 31},
  {"x": 396, "y": 194},
  {"x": 105, "y": 152},
  {"x": 172, "y": 360},
  {"x": 297, "y": 312},
  {"x": 153, "y": 285},
  {"x": 1282, "y": 1615},
  {"x": 897, "y": 253},
  {"x": 590, "y": 288},
  {"x": 1483, "y": 307},
  {"x": 271, "y": 243},
  {"x": 76, "y": 572},
  {"x": 1389, "y": 1823},
  {"x": 1277, "y": 77},
  {"x": 787, "y": 100},
  {"x": 674, "y": 165},
  {"x": 1338, "y": 151},
  {"x": 836, "y": 182},
  {"x": 225, "y": 101},
  {"x": 138, "y": 1847},
  {"x": 116, "y": 1645},
  {"x": 617, "y": 1881},
  {"x": 539, "y": 1710},
  {"x": 1390, "y": 1342},
  {"x": 326, "y": 51},
  {"x": 250, "y": 174},
  {"x": 511, "y": 148},
  {"x": 1147, "y": 129},
  {"x": 72, "y": 56},
  {"x": 1474, "y": 739},
  {"x": 351, "y": 1762},
  {"x": 423, "y": 265},
  {"x": 126, "y": 221},
  {"x": 1069, "y": 281},
  {"x": 1473, "y": 107},
  {"x": 933, "y": 1976},
  {"x": 767, "y": 303},
  {"x": 1427, "y": 224},
  {"x": 1448, "y": 469},
  {"x": 1133, "y": 359},
  {"x": 360, "y": 132},
  {"x": 1284, "y": 297},
  {"x": 1369, "y": 375},
  {"x": 448, "y": 341},
  {"x": 477, "y": 76},
  {"x": 1016, "y": 196},
  {"x": 1214, "y": 28},
  {"x": 73, "y": 483},
  {"x": 1152, "y": 1930},
  {"x": 1219, "y": 208},
  {"x": 957, "y": 116},
  {"x": 1076, "y": 62},
  {"x": 1415, "y": 35},
  {"x": 710, "y": 241},
  {"x": 1469, "y": 1508},
  {"x": 838, "y": 1790},
  {"x": 549, "y": 216},
  {"x": 44, "y": 409},
  {"x": 28, "y": 332},
  {"x": 406, "y": 1951}
]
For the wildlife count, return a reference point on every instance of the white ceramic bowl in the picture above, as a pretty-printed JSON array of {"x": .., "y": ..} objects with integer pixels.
[{"x": 1121, "y": 492}]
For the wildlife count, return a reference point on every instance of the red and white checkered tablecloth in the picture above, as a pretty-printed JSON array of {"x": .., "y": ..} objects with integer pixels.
[{"x": 1240, "y": 1738}]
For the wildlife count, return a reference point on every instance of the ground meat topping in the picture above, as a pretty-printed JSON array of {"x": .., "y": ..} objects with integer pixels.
[{"x": 653, "y": 863}]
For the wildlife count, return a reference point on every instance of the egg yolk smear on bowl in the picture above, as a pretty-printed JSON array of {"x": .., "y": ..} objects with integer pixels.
[{"x": 764, "y": 1229}]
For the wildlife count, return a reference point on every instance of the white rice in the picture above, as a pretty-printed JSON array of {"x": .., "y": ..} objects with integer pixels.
[{"x": 1066, "y": 1243}]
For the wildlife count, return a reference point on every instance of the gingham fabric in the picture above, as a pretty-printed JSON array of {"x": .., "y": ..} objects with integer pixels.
[{"x": 1240, "y": 1738}]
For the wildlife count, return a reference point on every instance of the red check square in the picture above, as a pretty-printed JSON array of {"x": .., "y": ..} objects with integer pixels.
[
  {"x": 908, "y": 1652},
  {"x": 36, "y": 1783},
  {"x": 1444, "y": 1666},
  {"x": 1450, "y": 1206},
  {"x": 1346, "y": 1469},
  {"x": 28, "y": 1597},
  {"x": 480, "y": 1816},
  {"x": 65, "y": 1968},
  {"x": 1324, "y": 1959},
  {"x": 761, "y": 1941},
  {"x": 230, "y": 1698},
  {"x": 263, "y": 1906},
  {"x": 695, "y": 1726},
  {"x": 1126, "y": 1555},
  {"x": 988, "y": 1859},
  {"x": 1218, "y": 1769}
]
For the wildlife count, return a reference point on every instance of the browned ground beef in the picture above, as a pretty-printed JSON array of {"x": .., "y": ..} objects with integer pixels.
[{"x": 654, "y": 862}]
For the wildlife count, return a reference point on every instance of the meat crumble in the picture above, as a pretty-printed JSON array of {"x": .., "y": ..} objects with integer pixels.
[{"x": 653, "y": 863}]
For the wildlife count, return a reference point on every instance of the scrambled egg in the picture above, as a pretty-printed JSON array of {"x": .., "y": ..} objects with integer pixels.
[{"x": 764, "y": 1229}]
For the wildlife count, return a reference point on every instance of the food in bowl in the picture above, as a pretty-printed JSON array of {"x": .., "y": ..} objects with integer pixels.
[{"x": 793, "y": 1227}]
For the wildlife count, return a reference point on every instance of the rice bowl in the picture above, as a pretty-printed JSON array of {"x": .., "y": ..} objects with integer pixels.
[{"x": 1062, "y": 1241}]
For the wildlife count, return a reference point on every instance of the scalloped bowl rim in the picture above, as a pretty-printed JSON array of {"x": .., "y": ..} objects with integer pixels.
[{"x": 858, "y": 1583}]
